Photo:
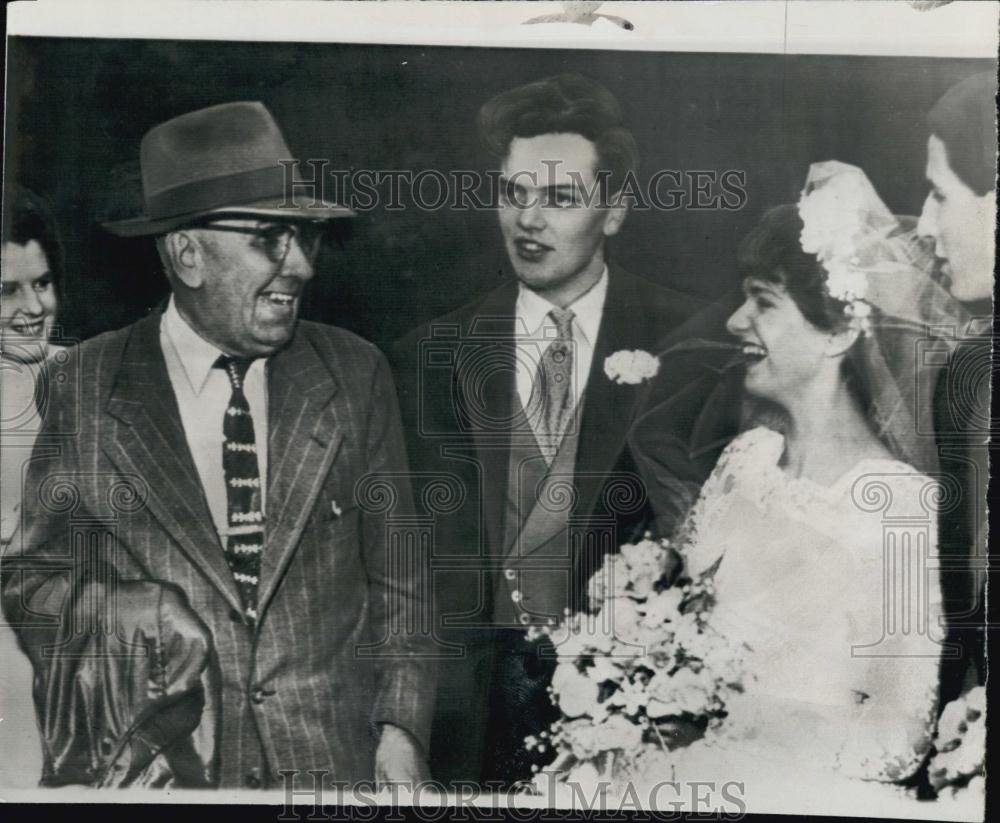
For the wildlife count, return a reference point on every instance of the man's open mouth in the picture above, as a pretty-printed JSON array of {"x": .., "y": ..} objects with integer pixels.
[
  {"x": 531, "y": 248},
  {"x": 278, "y": 298}
]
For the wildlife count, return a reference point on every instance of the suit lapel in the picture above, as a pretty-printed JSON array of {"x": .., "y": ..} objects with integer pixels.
[
  {"x": 486, "y": 383},
  {"x": 152, "y": 445},
  {"x": 544, "y": 522},
  {"x": 609, "y": 407},
  {"x": 303, "y": 440}
]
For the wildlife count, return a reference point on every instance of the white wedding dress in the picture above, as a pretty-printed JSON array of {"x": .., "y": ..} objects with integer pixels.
[{"x": 834, "y": 593}]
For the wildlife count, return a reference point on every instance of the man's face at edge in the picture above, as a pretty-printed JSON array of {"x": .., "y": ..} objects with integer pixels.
[{"x": 962, "y": 225}]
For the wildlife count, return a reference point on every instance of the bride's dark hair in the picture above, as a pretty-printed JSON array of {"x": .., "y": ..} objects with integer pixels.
[{"x": 772, "y": 252}]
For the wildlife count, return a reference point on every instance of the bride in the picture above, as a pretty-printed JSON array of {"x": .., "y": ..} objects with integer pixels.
[{"x": 818, "y": 528}]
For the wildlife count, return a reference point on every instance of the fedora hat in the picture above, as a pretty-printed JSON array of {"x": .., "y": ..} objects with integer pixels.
[{"x": 225, "y": 158}]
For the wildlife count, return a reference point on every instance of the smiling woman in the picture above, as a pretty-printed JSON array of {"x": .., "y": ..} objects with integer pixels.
[
  {"x": 32, "y": 263},
  {"x": 790, "y": 326},
  {"x": 837, "y": 620}
]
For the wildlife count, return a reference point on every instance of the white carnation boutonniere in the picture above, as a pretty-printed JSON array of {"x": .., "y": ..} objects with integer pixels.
[{"x": 631, "y": 367}]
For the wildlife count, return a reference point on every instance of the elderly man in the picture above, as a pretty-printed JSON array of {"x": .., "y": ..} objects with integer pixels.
[
  {"x": 231, "y": 620},
  {"x": 959, "y": 215}
]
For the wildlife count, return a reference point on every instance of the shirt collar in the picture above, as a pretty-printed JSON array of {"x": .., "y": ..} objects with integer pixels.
[
  {"x": 196, "y": 355},
  {"x": 532, "y": 309}
]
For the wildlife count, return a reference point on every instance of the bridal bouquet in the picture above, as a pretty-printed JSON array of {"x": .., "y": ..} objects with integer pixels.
[
  {"x": 641, "y": 675},
  {"x": 959, "y": 764}
]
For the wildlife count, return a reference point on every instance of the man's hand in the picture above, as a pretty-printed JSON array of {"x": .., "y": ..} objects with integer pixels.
[{"x": 398, "y": 758}]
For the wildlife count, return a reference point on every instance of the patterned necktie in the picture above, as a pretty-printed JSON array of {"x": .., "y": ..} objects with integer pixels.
[
  {"x": 551, "y": 405},
  {"x": 245, "y": 535}
]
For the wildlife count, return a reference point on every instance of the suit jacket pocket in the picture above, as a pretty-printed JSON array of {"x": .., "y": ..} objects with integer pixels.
[{"x": 336, "y": 505}]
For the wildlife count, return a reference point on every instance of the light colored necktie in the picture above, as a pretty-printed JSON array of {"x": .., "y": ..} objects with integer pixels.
[{"x": 551, "y": 404}]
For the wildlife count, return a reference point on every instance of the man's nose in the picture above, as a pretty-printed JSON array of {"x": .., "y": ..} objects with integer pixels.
[
  {"x": 927, "y": 224},
  {"x": 530, "y": 216},
  {"x": 297, "y": 262}
]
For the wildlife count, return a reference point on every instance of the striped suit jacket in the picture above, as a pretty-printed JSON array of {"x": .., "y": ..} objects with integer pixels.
[{"x": 329, "y": 658}]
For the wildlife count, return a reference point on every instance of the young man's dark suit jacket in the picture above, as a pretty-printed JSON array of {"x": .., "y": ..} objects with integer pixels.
[
  {"x": 960, "y": 423},
  {"x": 456, "y": 380},
  {"x": 298, "y": 690}
]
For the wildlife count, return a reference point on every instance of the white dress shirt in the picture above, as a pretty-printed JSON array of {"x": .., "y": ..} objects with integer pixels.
[
  {"x": 535, "y": 331},
  {"x": 203, "y": 394}
]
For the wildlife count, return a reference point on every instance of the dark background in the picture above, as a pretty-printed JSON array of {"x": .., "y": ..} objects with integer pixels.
[{"x": 78, "y": 108}]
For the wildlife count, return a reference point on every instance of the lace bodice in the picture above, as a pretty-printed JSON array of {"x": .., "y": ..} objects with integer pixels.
[{"x": 833, "y": 590}]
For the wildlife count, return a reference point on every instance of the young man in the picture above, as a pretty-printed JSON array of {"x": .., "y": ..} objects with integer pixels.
[
  {"x": 959, "y": 215},
  {"x": 960, "y": 210},
  {"x": 508, "y": 399},
  {"x": 219, "y": 635}
]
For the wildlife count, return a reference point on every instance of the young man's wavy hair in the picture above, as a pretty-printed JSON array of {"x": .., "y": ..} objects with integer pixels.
[{"x": 563, "y": 104}]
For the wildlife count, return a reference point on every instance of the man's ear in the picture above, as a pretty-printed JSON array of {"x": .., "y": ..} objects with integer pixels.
[
  {"x": 987, "y": 212},
  {"x": 838, "y": 343},
  {"x": 615, "y": 215},
  {"x": 185, "y": 253}
]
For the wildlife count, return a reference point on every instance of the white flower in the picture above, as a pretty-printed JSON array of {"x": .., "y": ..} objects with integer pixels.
[
  {"x": 625, "y": 619},
  {"x": 845, "y": 282},
  {"x": 581, "y": 738},
  {"x": 646, "y": 562},
  {"x": 618, "y": 733},
  {"x": 611, "y": 580},
  {"x": 859, "y": 312},
  {"x": 960, "y": 739},
  {"x": 581, "y": 635},
  {"x": 861, "y": 309},
  {"x": 577, "y": 694},
  {"x": 603, "y": 669},
  {"x": 631, "y": 367},
  {"x": 832, "y": 216},
  {"x": 663, "y": 607},
  {"x": 832, "y": 224},
  {"x": 683, "y": 692},
  {"x": 630, "y": 697},
  {"x": 721, "y": 657}
]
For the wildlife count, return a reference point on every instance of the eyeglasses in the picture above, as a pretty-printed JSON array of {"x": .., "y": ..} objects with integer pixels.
[{"x": 275, "y": 239}]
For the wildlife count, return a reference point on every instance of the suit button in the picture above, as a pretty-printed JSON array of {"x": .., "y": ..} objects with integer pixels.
[
  {"x": 259, "y": 695},
  {"x": 252, "y": 780},
  {"x": 510, "y": 574},
  {"x": 515, "y": 596},
  {"x": 524, "y": 618}
]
